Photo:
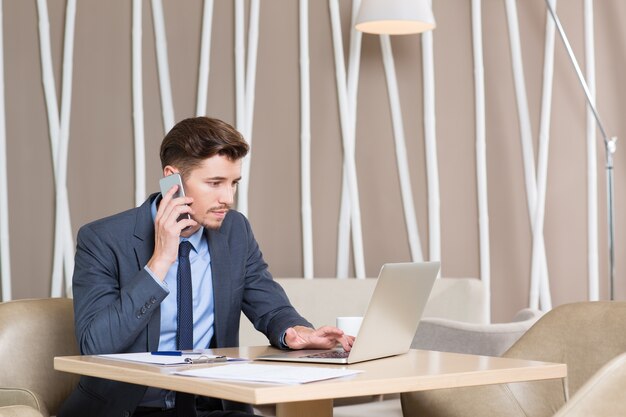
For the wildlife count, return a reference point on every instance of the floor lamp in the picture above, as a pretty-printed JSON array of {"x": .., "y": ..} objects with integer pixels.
[
  {"x": 395, "y": 17},
  {"x": 609, "y": 148}
]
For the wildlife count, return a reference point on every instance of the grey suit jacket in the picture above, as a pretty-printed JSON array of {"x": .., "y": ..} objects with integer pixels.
[{"x": 116, "y": 302}]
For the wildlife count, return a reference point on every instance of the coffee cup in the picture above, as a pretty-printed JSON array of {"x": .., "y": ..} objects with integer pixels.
[{"x": 349, "y": 325}]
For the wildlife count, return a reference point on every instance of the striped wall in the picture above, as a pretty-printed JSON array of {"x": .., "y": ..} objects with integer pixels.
[{"x": 425, "y": 179}]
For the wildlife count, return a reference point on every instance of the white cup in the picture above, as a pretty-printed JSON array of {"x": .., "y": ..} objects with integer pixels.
[{"x": 349, "y": 325}]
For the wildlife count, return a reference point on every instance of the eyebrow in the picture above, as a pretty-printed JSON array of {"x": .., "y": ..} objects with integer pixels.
[{"x": 221, "y": 179}]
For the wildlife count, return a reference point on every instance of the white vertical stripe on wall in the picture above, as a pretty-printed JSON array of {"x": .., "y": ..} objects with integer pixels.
[
  {"x": 525, "y": 133},
  {"x": 5, "y": 258},
  {"x": 205, "y": 58},
  {"x": 305, "y": 142},
  {"x": 165, "y": 87},
  {"x": 592, "y": 176},
  {"x": 240, "y": 92},
  {"x": 481, "y": 155},
  {"x": 239, "y": 70},
  {"x": 345, "y": 218},
  {"x": 251, "y": 60},
  {"x": 347, "y": 134},
  {"x": 538, "y": 259},
  {"x": 249, "y": 90},
  {"x": 401, "y": 152},
  {"x": 58, "y": 126},
  {"x": 66, "y": 105},
  {"x": 53, "y": 127},
  {"x": 430, "y": 138},
  {"x": 354, "y": 64},
  {"x": 138, "y": 123},
  {"x": 245, "y": 76}
]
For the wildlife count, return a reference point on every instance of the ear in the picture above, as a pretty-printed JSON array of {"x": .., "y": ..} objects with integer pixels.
[{"x": 169, "y": 170}]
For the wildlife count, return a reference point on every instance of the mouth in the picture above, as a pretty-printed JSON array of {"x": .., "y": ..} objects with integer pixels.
[{"x": 220, "y": 214}]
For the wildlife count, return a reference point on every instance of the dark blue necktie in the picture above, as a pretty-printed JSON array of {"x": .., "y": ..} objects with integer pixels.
[
  {"x": 185, "y": 403},
  {"x": 184, "y": 328}
]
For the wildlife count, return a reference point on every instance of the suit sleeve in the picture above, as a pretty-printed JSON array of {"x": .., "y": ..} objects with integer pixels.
[
  {"x": 112, "y": 307},
  {"x": 265, "y": 302}
]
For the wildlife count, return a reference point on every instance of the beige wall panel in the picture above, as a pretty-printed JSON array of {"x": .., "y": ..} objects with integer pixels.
[{"x": 101, "y": 155}]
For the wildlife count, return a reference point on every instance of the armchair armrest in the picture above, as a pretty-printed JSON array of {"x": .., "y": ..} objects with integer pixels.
[
  {"x": 13, "y": 400},
  {"x": 19, "y": 411},
  {"x": 602, "y": 394}
]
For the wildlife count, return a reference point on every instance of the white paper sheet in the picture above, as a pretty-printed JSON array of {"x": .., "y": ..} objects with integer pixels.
[{"x": 277, "y": 374}]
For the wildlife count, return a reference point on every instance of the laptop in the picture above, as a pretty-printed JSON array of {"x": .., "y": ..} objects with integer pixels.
[{"x": 391, "y": 319}]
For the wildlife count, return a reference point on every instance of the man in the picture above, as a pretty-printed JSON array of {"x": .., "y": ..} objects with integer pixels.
[{"x": 128, "y": 278}]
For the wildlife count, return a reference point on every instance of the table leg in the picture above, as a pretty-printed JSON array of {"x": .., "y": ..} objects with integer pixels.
[{"x": 316, "y": 408}]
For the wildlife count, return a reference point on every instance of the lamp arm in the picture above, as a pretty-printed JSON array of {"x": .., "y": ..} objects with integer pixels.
[
  {"x": 608, "y": 142},
  {"x": 609, "y": 145}
]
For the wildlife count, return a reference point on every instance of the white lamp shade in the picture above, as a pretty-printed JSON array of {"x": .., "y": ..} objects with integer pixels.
[{"x": 395, "y": 17}]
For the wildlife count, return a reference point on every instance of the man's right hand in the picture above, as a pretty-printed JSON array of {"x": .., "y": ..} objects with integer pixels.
[{"x": 167, "y": 230}]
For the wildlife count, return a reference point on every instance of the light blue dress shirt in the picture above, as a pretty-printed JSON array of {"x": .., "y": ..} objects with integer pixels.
[{"x": 203, "y": 306}]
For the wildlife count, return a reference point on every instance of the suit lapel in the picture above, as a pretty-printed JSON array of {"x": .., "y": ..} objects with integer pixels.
[
  {"x": 144, "y": 233},
  {"x": 144, "y": 247},
  {"x": 220, "y": 265}
]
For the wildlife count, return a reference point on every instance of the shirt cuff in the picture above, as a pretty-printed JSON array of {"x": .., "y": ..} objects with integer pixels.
[
  {"x": 283, "y": 345},
  {"x": 158, "y": 281}
]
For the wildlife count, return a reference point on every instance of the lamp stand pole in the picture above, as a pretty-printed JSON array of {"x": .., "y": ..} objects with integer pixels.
[{"x": 609, "y": 148}]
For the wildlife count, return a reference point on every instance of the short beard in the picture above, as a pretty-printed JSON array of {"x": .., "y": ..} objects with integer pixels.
[
  {"x": 218, "y": 226},
  {"x": 211, "y": 227}
]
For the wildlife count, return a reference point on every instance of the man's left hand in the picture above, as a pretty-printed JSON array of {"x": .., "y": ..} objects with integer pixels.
[{"x": 327, "y": 337}]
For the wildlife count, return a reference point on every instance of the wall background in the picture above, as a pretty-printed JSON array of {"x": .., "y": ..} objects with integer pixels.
[{"x": 101, "y": 176}]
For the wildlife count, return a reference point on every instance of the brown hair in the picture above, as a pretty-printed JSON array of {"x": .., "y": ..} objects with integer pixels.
[{"x": 197, "y": 138}]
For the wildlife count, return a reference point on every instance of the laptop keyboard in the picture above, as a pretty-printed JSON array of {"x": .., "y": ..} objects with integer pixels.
[{"x": 333, "y": 354}]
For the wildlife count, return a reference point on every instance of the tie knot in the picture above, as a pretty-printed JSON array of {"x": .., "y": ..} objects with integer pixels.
[{"x": 184, "y": 248}]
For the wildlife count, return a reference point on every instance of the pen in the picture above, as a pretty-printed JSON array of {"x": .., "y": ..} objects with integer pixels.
[
  {"x": 206, "y": 360},
  {"x": 168, "y": 353}
]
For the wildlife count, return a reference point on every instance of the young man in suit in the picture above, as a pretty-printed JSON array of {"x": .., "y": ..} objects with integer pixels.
[{"x": 128, "y": 272}]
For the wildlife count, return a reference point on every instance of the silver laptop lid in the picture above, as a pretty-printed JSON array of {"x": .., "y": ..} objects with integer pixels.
[
  {"x": 390, "y": 321},
  {"x": 395, "y": 310}
]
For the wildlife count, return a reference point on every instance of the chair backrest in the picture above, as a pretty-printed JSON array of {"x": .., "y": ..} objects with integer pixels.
[
  {"x": 476, "y": 338},
  {"x": 583, "y": 335},
  {"x": 321, "y": 300},
  {"x": 460, "y": 299},
  {"x": 32, "y": 333}
]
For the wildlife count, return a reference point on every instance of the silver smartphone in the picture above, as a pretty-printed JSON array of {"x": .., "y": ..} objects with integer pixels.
[{"x": 167, "y": 183}]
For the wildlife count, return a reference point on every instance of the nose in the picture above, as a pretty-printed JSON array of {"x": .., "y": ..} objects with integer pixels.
[{"x": 227, "y": 196}]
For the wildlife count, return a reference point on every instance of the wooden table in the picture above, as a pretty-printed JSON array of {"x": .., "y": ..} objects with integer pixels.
[{"x": 418, "y": 370}]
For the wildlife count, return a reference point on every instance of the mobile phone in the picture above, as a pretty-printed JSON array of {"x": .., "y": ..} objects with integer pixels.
[{"x": 167, "y": 183}]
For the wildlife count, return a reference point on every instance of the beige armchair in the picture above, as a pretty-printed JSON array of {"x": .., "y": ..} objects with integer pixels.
[
  {"x": 491, "y": 339},
  {"x": 32, "y": 333},
  {"x": 602, "y": 395},
  {"x": 585, "y": 336}
]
